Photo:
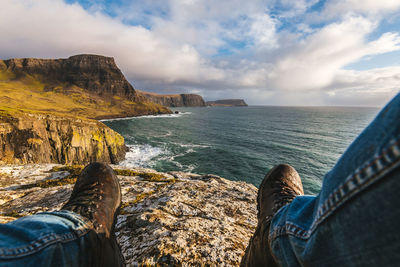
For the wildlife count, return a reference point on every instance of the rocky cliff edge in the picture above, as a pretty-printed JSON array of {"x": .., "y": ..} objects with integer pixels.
[
  {"x": 177, "y": 100},
  {"x": 32, "y": 138},
  {"x": 167, "y": 219},
  {"x": 91, "y": 86},
  {"x": 47, "y": 107},
  {"x": 94, "y": 73}
]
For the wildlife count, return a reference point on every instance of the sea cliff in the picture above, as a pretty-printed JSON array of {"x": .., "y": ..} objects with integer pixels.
[
  {"x": 90, "y": 86},
  {"x": 32, "y": 138},
  {"x": 94, "y": 73},
  {"x": 167, "y": 219},
  {"x": 177, "y": 100},
  {"x": 48, "y": 107}
]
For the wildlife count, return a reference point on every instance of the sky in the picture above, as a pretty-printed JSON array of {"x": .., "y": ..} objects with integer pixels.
[{"x": 268, "y": 52}]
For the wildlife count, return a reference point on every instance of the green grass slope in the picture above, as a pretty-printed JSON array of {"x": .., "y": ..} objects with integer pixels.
[{"x": 27, "y": 93}]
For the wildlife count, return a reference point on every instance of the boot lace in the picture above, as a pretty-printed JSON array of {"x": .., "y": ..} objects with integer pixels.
[
  {"x": 85, "y": 201},
  {"x": 284, "y": 195}
]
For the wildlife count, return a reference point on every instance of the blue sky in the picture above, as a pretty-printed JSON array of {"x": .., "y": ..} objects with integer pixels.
[{"x": 288, "y": 52}]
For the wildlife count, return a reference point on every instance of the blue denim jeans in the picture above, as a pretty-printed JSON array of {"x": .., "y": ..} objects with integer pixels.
[
  {"x": 61, "y": 238},
  {"x": 355, "y": 219}
]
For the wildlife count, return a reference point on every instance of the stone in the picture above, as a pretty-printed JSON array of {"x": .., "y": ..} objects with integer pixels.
[
  {"x": 173, "y": 218},
  {"x": 174, "y": 100},
  {"x": 36, "y": 138}
]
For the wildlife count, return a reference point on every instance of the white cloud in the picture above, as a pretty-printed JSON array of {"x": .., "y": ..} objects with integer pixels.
[
  {"x": 372, "y": 8},
  {"x": 294, "y": 8},
  {"x": 388, "y": 42},
  {"x": 315, "y": 62},
  {"x": 380, "y": 80},
  {"x": 53, "y": 29},
  {"x": 263, "y": 31},
  {"x": 178, "y": 49},
  {"x": 372, "y": 87}
]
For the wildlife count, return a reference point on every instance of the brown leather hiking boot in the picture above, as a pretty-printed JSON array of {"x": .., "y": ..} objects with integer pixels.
[
  {"x": 279, "y": 187},
  {"x": 97, "y": 197}
]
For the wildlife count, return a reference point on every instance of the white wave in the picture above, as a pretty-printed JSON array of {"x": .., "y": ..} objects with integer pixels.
[
  {"x": 189, "y": 168},
  {"x": 141, "y": 155},
  {"x": 192, "y": 145},
  {"x": 159, "y": 116},
  {"x": 119, "y": 119},
  {"x": 147, "y": 156},
  {"x": 172, "y": 158},
  {"x": 169, "y": 133},
  {"x": 178, "y": 164},
  {"x": 151, "y": 116},
  {"x": 181, "y": 167}
]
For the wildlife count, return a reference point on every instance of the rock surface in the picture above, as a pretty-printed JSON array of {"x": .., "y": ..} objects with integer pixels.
[
  {"x": 227, "y": 103},
  {"x": 177, "y": 100},
  {"x": 97, "y": 74},
  {"x": 167, "y": 218},
  {"x": 33, "y": 138}
]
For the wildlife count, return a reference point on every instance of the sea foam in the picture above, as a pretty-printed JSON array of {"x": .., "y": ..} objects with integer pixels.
[
  {"x": 141, "y": 155},
  {"x": 150, "y": 116}
]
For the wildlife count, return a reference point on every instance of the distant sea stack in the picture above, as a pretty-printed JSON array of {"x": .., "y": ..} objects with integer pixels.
[
  {"x": 97, "y": 74},
  {"x": 227, "y": 103},
  {"x": 177, "y": 100}
]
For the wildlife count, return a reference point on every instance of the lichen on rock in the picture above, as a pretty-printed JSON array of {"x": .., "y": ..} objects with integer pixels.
[
  {"x": 35, "y": 138},
  {"x": 175, "y": 218}
]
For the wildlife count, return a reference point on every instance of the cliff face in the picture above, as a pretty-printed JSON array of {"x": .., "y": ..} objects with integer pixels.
[
  {"x": 178, "y": 100},
  {"x": 68, "y": 93},
  {"x": 33, "y": 138},
  {"x": 227, "y": 103},
  {"x": 88, "y": 86},
  {"x": 167, "y": 219},
  {"x": 97, "y": 74}
]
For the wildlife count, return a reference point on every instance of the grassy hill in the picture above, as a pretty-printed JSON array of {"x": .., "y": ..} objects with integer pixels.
[
  {"x": 22, "y": 90},
  {"x": 29, "y": 94}
]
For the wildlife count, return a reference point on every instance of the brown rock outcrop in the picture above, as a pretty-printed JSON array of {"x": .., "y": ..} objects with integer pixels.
[
  {"x": 177, "y": 100},
  {"x": 97, "y": 74},
  {"x": 35, "y": 138},
  {"x": 167, "y": 219}
]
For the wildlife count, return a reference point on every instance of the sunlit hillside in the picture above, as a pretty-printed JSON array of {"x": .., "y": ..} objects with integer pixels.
[{"x": 27, "y": 93}]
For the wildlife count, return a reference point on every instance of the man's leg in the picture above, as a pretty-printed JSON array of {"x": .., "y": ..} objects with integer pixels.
[
  {"x": 81, "y": 234},
  {"x": 279, "y": 187},
  {"x": 354, "y": 219}
]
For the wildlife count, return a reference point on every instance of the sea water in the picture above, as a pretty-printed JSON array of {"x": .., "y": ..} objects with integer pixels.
[{"x": 243, "y": 143}]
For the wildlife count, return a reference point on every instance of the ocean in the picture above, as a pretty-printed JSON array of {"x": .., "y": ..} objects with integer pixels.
[{"x": 243, "y": 143}]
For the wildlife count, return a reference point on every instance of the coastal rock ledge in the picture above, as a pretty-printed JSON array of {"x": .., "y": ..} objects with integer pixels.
[
  {"x": 167, "y": 219},
  {"x": 37, "y": 138}
]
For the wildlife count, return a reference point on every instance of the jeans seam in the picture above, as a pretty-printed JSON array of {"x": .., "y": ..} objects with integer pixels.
[
  {"x": 45, "y": 241},
  {"x": 288, "y": 229},
  {"x": 355, "y": 183}
]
